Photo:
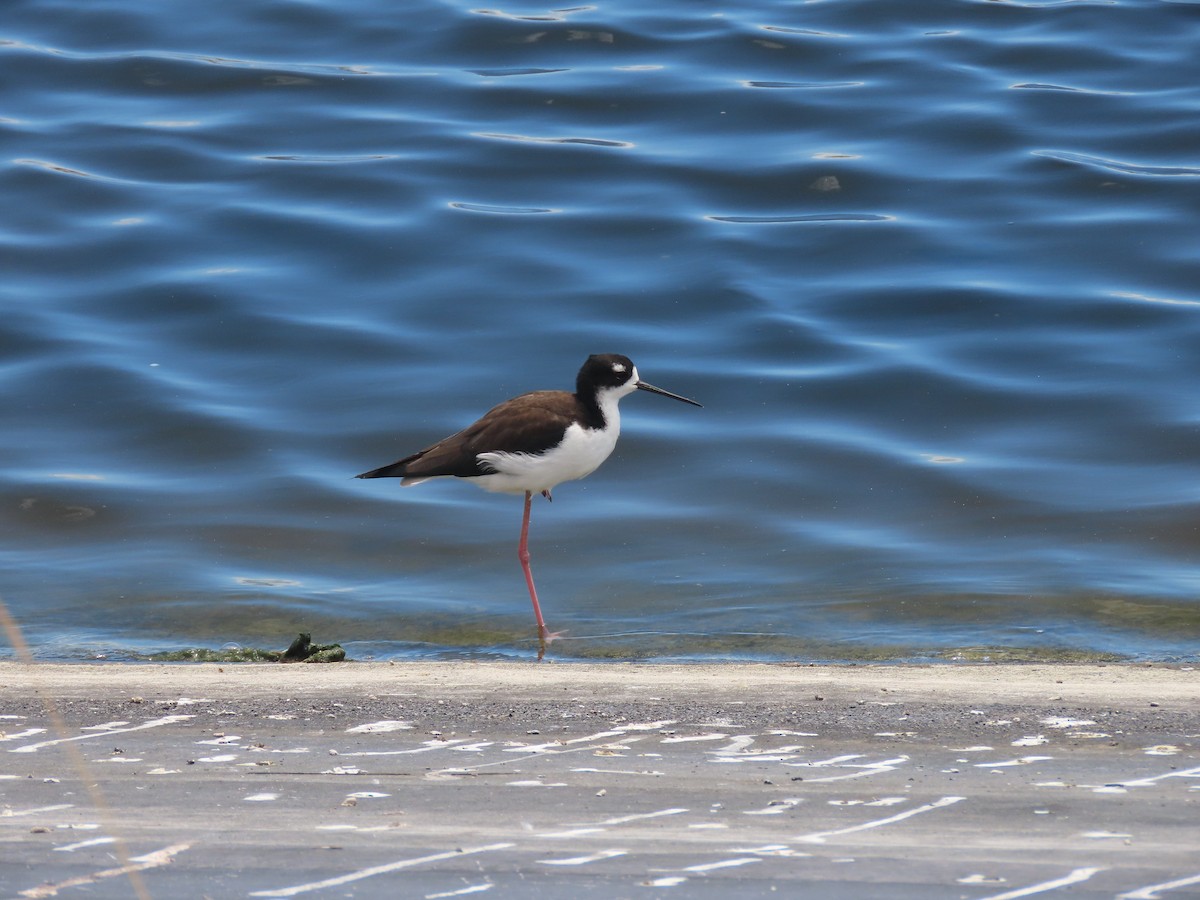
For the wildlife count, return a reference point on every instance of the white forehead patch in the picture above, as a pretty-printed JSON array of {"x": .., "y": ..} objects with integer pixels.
[{"x": 618, "y": 367}]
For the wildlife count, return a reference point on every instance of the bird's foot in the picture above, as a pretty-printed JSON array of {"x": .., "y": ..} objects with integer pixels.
[
  {"x": 546, "y": 494},
  {"x": 546, "y": 637}
]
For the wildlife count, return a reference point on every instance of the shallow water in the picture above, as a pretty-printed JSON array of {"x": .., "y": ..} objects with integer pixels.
[{"x": 932, "y": 271}]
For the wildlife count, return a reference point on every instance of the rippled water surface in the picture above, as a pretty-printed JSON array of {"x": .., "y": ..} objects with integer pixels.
[{"x": 933, "y": 269}]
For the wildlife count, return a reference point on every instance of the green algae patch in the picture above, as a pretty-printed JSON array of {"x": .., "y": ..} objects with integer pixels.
[
  {"x": 1028, "y": 655},
  {"x": 302, "y": 649}
]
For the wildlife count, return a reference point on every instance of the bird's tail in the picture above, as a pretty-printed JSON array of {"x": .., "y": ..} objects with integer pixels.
[{"x": 395, "y": 470}]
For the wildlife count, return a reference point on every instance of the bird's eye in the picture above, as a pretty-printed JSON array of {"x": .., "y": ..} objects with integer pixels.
[{"x": 618, "y": 367}]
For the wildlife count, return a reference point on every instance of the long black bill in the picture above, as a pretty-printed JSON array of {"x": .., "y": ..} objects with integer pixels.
[{"x": 642, "y": 386}]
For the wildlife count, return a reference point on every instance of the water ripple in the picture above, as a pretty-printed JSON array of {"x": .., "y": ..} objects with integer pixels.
[
  {"x": 326, "y": 159},
  {"x": 594, "y": 142},
  {"x": 507, "y": 72},
  {"x": 812, "y": 217},
  {"x": 1047, "y": 4},
  {"x": 1167, "y": 301},
  {"x": 807, "y": 32},
  {"x": 553, "y": 15},
  {"x": 54, "y": 167},
  {"x": 804, "y": 85},
  {"x": 1125, "y": 168},
  {"x": 143, "y": 57},
  {"x": 1039, "y": 86},
  {"x": 503, "y": 210}
]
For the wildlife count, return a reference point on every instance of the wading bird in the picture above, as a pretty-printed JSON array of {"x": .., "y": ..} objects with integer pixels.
[{"x": 532, "y": 443}]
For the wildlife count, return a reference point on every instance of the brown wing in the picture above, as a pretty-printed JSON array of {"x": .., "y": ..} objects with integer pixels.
[{"x": 525, "y": 424}]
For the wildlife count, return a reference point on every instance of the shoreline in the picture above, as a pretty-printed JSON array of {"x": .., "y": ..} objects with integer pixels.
[
  {"x": 1119, "y": 682},
  {"x": 1145, "y": 702},
  {"x": 432, "y": 779}
]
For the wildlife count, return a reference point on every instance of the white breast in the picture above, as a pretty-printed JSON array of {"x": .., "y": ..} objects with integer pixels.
[{"x": 577, "y": 456}]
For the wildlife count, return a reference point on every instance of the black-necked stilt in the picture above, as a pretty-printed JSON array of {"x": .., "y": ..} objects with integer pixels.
[{"x": 532, "y": 443}]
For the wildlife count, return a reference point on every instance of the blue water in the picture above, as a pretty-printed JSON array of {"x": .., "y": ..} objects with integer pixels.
[{"x": 933, "y": 270}]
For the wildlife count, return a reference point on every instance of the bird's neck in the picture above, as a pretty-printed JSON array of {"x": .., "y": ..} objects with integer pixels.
[{"x": 601, "y": 410}]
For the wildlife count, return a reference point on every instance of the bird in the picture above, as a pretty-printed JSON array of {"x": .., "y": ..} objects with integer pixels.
[{"x": 532, "y": 443}]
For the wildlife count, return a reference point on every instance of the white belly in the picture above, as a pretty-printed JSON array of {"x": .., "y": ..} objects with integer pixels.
[{"x": 580, "y": 454}]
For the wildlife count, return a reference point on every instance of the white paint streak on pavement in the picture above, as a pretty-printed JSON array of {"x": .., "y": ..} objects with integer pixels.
[
  {"x": 375, "y": 870},
  {"x": 818, "y": 837},
  {"x": 153, "y": 723},
  {"x": 36, "y": 810},
  {"x": 621, "y": 820},
  {"x": 79, "y": 845},
  {"x": 137, "y": 864},
  {"x": 583, "y": 860},
  {"x": 1151, "y": 892},
  {"x": 1146, "y": 782},
  {"x": 724, "y": 864},
  {"x": 1073, "y": 878}
]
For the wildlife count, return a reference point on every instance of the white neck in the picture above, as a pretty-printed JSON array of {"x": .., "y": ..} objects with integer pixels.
[{"x": 608, "y": 400}]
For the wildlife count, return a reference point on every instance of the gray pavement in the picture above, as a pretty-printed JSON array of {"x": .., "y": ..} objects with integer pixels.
[{"x": 454, "y": 779}]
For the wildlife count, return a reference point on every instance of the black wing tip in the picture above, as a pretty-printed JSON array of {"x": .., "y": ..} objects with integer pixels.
[{"x": 395, "y": 470}]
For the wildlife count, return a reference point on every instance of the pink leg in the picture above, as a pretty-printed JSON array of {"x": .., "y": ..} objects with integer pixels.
[{"x": 523, "y": 555}]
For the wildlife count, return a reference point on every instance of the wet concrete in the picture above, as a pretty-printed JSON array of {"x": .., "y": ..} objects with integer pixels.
[{"x": 452, "y": 779}]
